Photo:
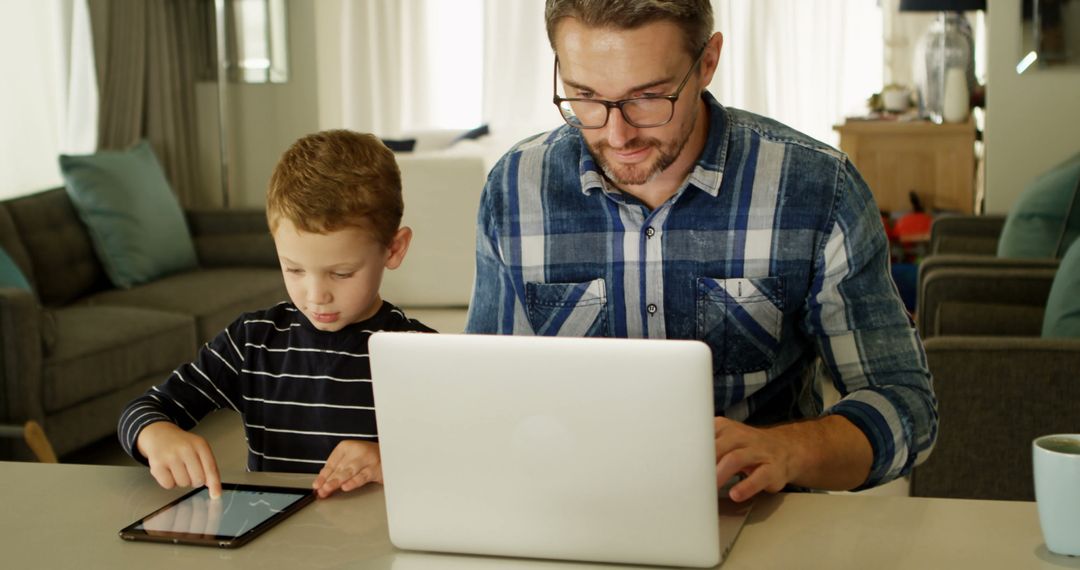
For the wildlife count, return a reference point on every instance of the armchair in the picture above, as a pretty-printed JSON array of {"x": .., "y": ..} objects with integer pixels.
[
  {"x": 995, "y": 395},
  {"x": 999, "y": 390}
]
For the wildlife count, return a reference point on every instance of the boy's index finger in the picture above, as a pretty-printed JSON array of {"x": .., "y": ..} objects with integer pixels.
[{"x": 213, "y": 478}]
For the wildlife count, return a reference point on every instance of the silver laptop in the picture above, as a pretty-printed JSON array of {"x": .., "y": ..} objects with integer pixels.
[{"x": 568, "y": 448}]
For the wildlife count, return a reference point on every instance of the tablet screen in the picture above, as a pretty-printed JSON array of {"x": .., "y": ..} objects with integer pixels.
[{"x": 241, "y": 509}]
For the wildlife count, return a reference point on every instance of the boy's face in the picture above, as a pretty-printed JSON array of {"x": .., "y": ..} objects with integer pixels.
[{"x": 334, "y": 278}]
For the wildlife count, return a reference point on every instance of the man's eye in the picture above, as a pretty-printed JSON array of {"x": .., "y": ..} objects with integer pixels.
[{"x": 585, "y": 94}]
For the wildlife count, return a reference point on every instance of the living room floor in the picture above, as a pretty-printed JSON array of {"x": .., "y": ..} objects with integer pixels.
[{"x": 225, "y": 432}]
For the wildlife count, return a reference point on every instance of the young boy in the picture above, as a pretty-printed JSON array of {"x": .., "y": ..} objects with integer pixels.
[{"x": 297, "y": 372}]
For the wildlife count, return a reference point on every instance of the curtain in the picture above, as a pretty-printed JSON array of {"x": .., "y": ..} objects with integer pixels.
[
  {"x": 383, "y": 82},
  {"x": 51, "y": 108},
  {"x": 806, "y": 64},
  {"x": 412, "y": 65},
  {"x": 146, "y": 66},
  {"x": 518, "y": 62}
]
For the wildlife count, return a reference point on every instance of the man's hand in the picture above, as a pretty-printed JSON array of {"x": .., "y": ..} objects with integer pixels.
[
  {"x": 764, "y": 458},
  {"x": 824, "y": 453},
  {"x": 351, "y": 465},
  {"x": 179, "y": 458}
]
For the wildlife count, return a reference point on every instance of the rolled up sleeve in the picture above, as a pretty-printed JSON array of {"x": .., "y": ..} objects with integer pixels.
[{"x": 867, "y": 339}]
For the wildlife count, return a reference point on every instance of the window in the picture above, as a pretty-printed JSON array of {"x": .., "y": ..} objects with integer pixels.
[{"x": 53, "y": 110}]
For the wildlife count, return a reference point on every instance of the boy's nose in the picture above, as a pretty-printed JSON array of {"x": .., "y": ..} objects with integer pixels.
[{"x": 318, "y": 294}]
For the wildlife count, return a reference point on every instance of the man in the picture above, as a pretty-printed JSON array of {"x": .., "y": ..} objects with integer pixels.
[{"x": 656, "y": 212}]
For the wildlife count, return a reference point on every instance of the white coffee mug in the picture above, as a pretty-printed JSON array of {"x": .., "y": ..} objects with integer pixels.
[{"x": 1056, "y": 460}]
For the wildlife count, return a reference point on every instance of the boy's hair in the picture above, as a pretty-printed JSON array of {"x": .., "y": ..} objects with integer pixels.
[
  {"x": 694, "y": 17},
  {"x": 335, "y": 179}
]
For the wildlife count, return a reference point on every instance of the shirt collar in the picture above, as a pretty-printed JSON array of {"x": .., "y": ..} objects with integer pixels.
[{"x": 707, "y": 173}]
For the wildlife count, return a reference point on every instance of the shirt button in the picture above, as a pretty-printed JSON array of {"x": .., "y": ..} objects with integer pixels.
[
  {"x": 650, "y": 232},
  {"x": 651, "y": 308}
]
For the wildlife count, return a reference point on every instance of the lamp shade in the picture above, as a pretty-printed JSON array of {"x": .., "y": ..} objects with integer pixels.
[{"x": 941, "y": 5}]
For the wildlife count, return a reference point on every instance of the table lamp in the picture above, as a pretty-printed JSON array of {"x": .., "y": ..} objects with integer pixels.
[{"x": 947, "y": 45}]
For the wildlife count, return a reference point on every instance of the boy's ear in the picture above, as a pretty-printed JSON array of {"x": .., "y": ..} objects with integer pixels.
[{"x": 398, "y": 246}]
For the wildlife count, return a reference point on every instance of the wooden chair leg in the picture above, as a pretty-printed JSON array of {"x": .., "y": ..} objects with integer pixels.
[
  {"x": 39, "y": 443},
  {"x": 35, "y": 439}
]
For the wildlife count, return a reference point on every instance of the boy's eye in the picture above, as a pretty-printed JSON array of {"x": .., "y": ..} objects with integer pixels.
[
  {"x": 342, "y": 275},
  {"x": 293, "y": 270}
]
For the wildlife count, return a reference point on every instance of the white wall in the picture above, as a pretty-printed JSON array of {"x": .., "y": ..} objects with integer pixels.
[
  {"x": 264, "y": 119},
  {"x": 1032, "y": 120}
]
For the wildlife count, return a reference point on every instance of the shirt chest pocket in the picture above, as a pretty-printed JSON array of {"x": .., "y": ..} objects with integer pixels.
[
  {"x": 567, "y": 309},
  {"x": 741, "y": 319}
]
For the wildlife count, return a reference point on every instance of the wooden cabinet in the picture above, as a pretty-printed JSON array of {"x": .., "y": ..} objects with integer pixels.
[{"x": 937, "y": 162}]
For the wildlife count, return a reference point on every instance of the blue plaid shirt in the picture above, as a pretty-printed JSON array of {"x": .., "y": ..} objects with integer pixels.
[{"x": 772, "y": 252}]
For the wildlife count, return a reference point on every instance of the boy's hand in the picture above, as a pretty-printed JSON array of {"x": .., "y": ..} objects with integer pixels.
[
  {"x": 351, "y": 465},
  {"x": 179, "y": 458}
]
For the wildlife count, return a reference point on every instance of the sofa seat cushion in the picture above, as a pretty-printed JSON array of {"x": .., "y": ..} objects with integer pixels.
[
  {"x": 215, "y": 297},
  {"x": 102, "y": 349}
]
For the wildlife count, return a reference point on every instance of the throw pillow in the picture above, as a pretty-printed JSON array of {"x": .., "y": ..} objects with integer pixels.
[
  {"x": 1062, "y": 317},
  {"x": 135, "y": 222},
  {"x": 474, "y": 133},
  {"x": 400, "y": 145},
  {"x": 1033, "y": 226},
  {"x": 10, "y": 274}
]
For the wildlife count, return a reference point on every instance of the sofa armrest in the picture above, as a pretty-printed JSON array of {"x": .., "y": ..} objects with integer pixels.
[
  {"x": 232, "y": 238},
  {"x": 951, "y": 260},
  {"x": 441, "y": 192},
  {"x": 994, "y": 396},
  {"x": 20, "y": 369},
  {"x": 1025, "y": 287},
  {"x": 966, "y": 234}
]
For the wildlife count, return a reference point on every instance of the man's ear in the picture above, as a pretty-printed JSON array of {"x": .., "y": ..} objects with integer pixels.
[
  {"x": 398, "y": 246},
  {"x": 711, "y": 59}
]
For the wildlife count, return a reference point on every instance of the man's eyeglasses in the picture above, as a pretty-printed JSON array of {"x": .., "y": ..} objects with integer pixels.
[{"x": 640, "y": 112}]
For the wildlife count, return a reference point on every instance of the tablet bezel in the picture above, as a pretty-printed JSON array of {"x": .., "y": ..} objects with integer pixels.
[{"x": 304, "y": 497}]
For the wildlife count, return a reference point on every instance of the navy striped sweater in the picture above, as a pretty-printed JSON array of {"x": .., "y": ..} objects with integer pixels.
[{"x": 299, "y": 390}]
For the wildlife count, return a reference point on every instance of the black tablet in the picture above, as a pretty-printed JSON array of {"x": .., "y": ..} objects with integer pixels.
[{"x": 242, "y": 513}]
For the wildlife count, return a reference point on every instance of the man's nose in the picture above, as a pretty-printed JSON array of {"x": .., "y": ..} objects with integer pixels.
[{"x": 619, "y": 131}]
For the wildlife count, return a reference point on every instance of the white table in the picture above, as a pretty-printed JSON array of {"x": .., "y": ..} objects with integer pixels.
[{"x": 67, "y": 516}]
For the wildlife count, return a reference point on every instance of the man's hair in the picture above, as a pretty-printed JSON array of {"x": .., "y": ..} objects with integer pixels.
[
  {"x": 694, "y": 17},
  {"x": 335, "y": 179}
]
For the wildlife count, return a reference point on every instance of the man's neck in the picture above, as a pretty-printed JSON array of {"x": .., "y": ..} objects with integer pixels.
[{"x": 661, "y": 188}]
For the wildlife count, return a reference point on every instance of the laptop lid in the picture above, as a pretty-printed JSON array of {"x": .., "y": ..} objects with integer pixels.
[{"x": 569, "y": 448}]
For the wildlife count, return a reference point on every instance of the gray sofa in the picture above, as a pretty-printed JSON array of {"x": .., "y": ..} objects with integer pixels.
[
  {"x": 966, "y": 246},
  {"x": 76, "y": 349}
]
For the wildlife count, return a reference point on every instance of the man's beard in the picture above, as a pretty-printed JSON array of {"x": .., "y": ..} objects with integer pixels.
[{"x": 638, "y": 174}]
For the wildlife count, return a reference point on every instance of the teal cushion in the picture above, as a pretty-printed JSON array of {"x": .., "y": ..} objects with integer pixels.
[
  {"x": 1033, "y": 226},
  {"x": 1062, "y": 317},
  {"x": 10, "y": 274},
  {"x": 134, "y": 220}
]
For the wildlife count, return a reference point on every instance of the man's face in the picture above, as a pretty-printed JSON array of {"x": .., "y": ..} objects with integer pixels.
[
  {"x": 333, "y": 278},
  {"x": 612, "y": 64}
]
